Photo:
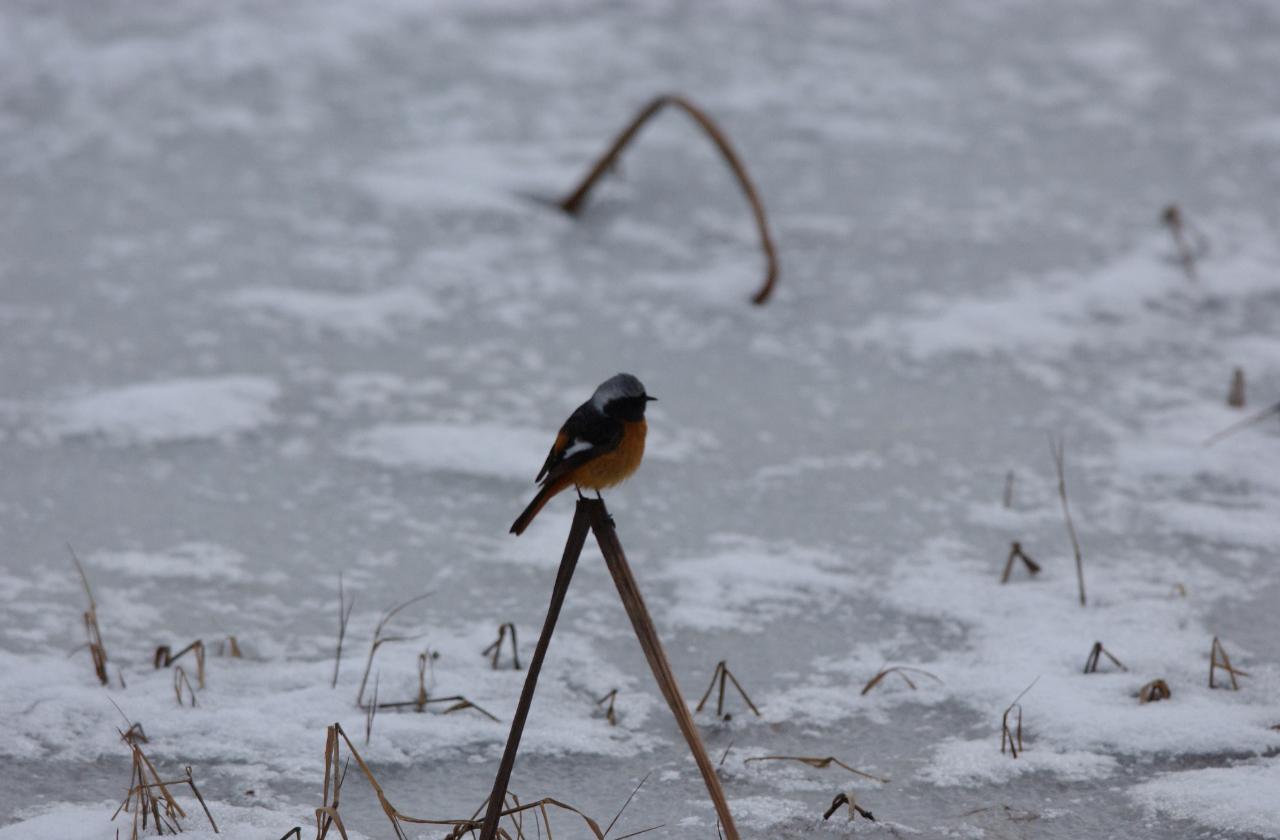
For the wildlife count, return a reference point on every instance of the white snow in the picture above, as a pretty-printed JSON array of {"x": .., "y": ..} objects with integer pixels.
[
  {"x": 168, "y": 411},
  {"x": 351, "y": 314},
  {"x": 480, "y": 449},
  {"x": 1241, "y": 797}
]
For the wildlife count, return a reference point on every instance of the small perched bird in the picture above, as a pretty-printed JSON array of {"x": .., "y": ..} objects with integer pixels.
[{"x": 600, "y": 445}]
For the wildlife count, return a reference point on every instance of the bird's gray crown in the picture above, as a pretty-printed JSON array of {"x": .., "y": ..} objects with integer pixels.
[{"x": 615, "y": 387}]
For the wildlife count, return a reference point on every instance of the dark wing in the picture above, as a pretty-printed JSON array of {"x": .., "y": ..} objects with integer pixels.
[{"x": 587, "y": 434}]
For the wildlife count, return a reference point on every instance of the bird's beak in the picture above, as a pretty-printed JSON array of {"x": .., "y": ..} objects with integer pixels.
[{"x": 648, "y": 398}]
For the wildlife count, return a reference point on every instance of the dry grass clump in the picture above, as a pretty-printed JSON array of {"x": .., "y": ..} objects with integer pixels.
[
  {"x": 329, "y": 815},
  {"x": 149, "y": 799}
]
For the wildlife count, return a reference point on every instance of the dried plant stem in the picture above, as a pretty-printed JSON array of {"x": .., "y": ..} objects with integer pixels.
[
  {"x": 568, "y": 563},
  {"x": 819, "y": 763},
  {"x": 572, "y": 203},
  {"x": 629, "y": 591},
  {"x": 344, "y": 615},
  {"x": 1095, "y": 654},
  {"x": 1008, "y": 489},
  {"x": 723, "y": 674},
  {"x": 1235, "y": 393},
  {"x": 379, "y": 640},
  {"x": 180, "y": 680},
  {"x": 609, "y": 713},
  {"x": 1172, "y": 219},
  {"x": 902, "y": 671},
  {"x": 854, "y": 807},
  {"x": 164, "y": 658},
  {"x": 1218, "y": 659},
  {"x": 494, "y": 651},
  {"x": 1016, "y": 553},
  {"x": 1012, "y": 736},
  {"x": 591, "y": 514},
  {"x": 1246, "y": 422},
  {"x": 1057, "y": 448},
  {"x": 97, "y": 651}
]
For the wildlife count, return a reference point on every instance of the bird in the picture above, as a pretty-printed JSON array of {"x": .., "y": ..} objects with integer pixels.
[{"x": 599, "y": 446}]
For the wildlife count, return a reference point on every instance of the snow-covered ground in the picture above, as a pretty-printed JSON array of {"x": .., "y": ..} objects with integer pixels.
[{"x": 280, "y": 298}]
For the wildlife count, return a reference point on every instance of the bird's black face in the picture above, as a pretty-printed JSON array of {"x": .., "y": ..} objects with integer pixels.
[{"x": 628, "y": 409}]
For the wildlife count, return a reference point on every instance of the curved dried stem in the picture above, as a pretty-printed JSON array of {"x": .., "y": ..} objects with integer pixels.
[
  {"x": 819, "y": 763},
  {"x": 902, "y": 671},
  {"x": 572, "y": 203}
]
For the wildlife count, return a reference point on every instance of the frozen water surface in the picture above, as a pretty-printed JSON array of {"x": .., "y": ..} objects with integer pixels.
[{"x": 280, "y": 300}]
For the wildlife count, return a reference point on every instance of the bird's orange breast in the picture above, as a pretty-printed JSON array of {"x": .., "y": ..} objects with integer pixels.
[{"x": 616, "y": 466}]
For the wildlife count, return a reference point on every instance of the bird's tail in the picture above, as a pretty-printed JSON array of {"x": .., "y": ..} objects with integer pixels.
[{"x": 544, "y": 496}]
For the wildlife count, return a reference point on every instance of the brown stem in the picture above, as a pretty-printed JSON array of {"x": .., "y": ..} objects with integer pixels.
[
  {"x": 629, "y": 591},
  {"x": 572, "y": 204},
  {"x": 572, "y": 548},
  {"x": 1058, "y": 449}
]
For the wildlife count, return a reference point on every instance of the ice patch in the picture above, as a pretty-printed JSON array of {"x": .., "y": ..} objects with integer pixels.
[
  {"x": 168, "y": 411},
  {"x": 957, "y": 762},
  {"x": 1238, "y": 798},
  {"x": 747, "y": 584},
  {"x": 192, "y": 561},
  {"x": 351, "y": 314},
  {"x": 481, "y": 449}
]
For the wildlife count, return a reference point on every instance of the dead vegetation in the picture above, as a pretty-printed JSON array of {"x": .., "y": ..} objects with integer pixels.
[
  {"x": 590, "y": 515},
  {"x": 180, "y": 681},
  {"x": 329, "y": 814},
  {"x": 164, "y": 658},
  {"x": 344, "y": 615},
  {"x": 494, "y": 651},
  {"x": 904, "y": 673},
  {"x": 819, "y": 763},
  {"x": 379, "y": 640},
  {"x": 1235, "y": 393},
  {"x": 1218, "y": 659},
  {"x": 723, "y": 674},
  {"x": 1154, "y": 691},
  {"x": 1095, "y": 653},
  {"x": 422, "y": 699},
  {"x": 1189, "y": 242},
  {"x": 1011, "y": 735},
  {"x": 1008, "y": 490},
  {"x": 97, "y": 650},
  {"x": 150, "y": 801},
  {"x": 854, "y": 808},
  {"x": 1243, "y": 424},
  {"x": 572, "y": 203},
  {"x": 1016, "y": 553},
  {"x": 1057, "y": 448},
  {"x": 609, "y": 713}
]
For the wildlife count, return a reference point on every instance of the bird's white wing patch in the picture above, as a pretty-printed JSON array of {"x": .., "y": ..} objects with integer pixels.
[{"x": 577, "y": 446}]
